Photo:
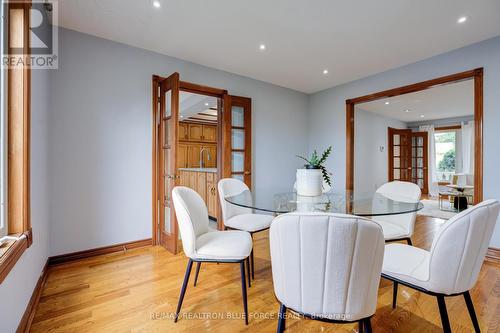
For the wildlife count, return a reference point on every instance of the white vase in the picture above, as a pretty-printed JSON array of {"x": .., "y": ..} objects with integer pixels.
[{"x": 309, "y": 182}]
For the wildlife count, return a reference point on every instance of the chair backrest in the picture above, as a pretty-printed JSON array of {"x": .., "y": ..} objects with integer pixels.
[
  {"x": 404, "y": 192},
  {"x": 327, "y": 265},
  {"x": 228, "y": 187},
  {"x": 460, "y": 246},
  {"x": 192, "y": 216}
]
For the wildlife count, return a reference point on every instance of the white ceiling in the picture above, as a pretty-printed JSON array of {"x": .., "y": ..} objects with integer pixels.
[
  {"x": 448, "y": 101},
  {"x": 352, "y": 39},
  {"x": 192, "y": 104}
]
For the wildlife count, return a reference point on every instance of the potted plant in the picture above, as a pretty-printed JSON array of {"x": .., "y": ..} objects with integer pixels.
[{"x": 310, "y": 178}]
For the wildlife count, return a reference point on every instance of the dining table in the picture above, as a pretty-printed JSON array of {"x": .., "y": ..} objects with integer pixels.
[{"x": 347, "y": 202}]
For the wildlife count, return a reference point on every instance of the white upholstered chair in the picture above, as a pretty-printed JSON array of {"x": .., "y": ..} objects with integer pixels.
[
  {"x": 326, "y": 266},
  {"x": 452, "y": 265},
  {"x": 201, "y": 245},
  {"x": 400, "y": 226},
  {"x": 240, "y": 218}
]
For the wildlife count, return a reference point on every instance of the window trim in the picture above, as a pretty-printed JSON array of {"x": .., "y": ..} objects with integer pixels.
[{"x": 18, "y": 145}]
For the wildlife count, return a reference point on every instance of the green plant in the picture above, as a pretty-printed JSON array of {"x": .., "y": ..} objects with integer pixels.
[
  {"x": 317, "y": 162},
  {"x": 448, "y": 161}
]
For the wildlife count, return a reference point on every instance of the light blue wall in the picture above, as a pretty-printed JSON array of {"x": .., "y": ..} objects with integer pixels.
[
  {"x": 100, "y": 137},
  {"x": 371, "y": 164},
  {"x": 327, "y": 108}
]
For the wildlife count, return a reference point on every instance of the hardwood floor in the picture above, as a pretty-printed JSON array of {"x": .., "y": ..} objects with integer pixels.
[{"x": 137, "y": 291}]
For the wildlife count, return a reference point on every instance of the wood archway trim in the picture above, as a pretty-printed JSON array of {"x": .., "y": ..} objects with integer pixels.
[{"x": 475, "y": 74}]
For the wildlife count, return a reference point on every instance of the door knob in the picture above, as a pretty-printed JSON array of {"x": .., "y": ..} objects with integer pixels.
[{"x": 247, "y": 172}]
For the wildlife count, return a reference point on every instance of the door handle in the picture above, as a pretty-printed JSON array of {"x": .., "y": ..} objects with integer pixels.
[{"x": 247, "y": 173}]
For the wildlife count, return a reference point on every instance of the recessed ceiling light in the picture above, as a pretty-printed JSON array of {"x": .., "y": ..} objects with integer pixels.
[
  {"x": 206, "y": 104},
  {"x": 462, "y": 19},
  {"x": 156, "y": 4},
  {"x": 422, "y": 116},
  {"x": 262, "y": 47},
  {"x": 325, "y": 71},
  {"x": 386, "y": 103},
  {"x": 407, "y": 110}
]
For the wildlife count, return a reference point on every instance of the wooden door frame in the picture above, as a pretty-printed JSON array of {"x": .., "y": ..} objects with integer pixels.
[
  {"x": 197, "y": 89},
  {"x": 475, "y": 74}
]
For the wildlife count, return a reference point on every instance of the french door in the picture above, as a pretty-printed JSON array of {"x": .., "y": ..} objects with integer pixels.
[
  {"x": 237, "y": 138},
  {"x": 408, "y": 157},
  {"x": 167, "y": 175}
]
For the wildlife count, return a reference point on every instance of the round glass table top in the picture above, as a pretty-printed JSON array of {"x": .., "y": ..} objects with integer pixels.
[{"x": 360, "y": 204}]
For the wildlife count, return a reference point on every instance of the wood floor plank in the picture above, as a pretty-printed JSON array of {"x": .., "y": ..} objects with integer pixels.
[{"x": 137, "y": 291}]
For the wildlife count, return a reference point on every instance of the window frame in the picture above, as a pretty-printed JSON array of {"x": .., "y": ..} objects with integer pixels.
[
  {"x": 447, "y": 129},
  {"x": 3, "y": 137},
  {"x": 18, "y": 141}
]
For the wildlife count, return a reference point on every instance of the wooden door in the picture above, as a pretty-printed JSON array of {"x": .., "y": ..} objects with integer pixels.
[
  {"x": 237, "y": 138},
  {"x": 399, "y": 154},
  {"x": 195, "y": 132},
  {"x": 167, "y": 167},
  {"x": 193, "y": 155},
  {"x": 209, "y": 133},
  {"x": 182, "y": 157},
  {"x": 183, "y": 131},
  {"x": 419, "y": 160}
]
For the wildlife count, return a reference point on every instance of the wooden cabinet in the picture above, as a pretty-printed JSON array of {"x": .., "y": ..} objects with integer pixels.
[
  {"x": 193, "y": 155},
  {"x": 201, "y": 184},
  {"x": 184, "y": 178},
  {"x": 182, "y": 155},
  {"x": 195, "y": 132},
  {"x": 209, "y": 133},
  {"x": 205, "y": 183},
  {"x": 211, "y": 150},
  {"x": 192, "y": 138},
  {"x": 183, "y": 131},
  {"x": 211, "y": 194}
]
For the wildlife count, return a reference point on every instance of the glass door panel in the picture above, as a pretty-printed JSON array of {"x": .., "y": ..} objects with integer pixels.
[
  {"x": 419, "y": 160},
  {"x": 167, "y": 171},
  {"x": 237, "y": 131}
]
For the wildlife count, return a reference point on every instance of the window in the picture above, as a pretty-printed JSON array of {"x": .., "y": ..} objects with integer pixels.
[
  {"x": 445, "y": 144},
  {"x": 15, "y": 134}
]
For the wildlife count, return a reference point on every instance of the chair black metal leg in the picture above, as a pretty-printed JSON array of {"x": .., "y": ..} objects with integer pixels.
[
  {"x": 183, "y": 289},
  {"x": 197, "y": 272},
  {"x": 244, "y": 290},
  {"x": 247, "y": 260},
  {"x": 361, "y": 326},
  {"x": 394, "y": 294},
  {"x": 368, "y": 325},
  {"x": 281, "y": 319},
  {"x": 472, "y": 313},
  {"x": 444, "y": 314},
  {"x": 253, "y": 265},
  {"x": 408, "y": 240}
]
